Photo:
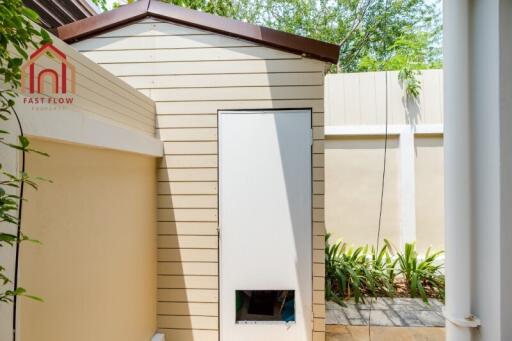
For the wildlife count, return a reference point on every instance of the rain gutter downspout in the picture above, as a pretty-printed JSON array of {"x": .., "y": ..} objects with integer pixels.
[{"x": 457, "y": 156}]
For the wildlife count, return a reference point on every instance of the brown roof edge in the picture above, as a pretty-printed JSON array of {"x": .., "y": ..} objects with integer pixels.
[
  {"x": 267, "y": 36},
  {"x": 280, "y": 40},
  {"x": 84, "y": 28}
]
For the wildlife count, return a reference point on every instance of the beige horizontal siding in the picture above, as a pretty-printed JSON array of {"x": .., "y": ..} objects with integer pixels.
[
  {"x": 225, "y": 80},
  {"x": 188, "y": 242},
  {"x": 235, "y": 93},
  {"x": 208, "y": 121},
  {"x": 188, "y": 322},
  {"x": 159, "y": 42},
  {"x": 188, "y": 281},
  {"x": 180, "y": 54},
  {"x": 190, "y": 148},
  {"x": 188, "y": 309},
  {"x": 151, "y": 28},
  {"x": 187, "y": 121},
  {"x": 188, "y": 255},
  {"x": 188, "y": 134},
  {"x": 196, "y": 174},
  {"x": 190, "y": 334},
  {"x": 318, "y": 201},
  {"x": 188, "y": 268},
  {"x": 188, "y": 228},
  {"x": 191, "y": 74},
  {"x": 187, "y": 214},
  {"x": 188, "y": 295},
  {"x": 188, "y": 201},
  {"x": 89, "y": 94},
  {"x": 99, "y": 93},
  {"x": 213, "y": 67},
  {"x": 187, "y": 188},
  {"x": 189, "y": 161},
  {"x": 205, "y": 107}
]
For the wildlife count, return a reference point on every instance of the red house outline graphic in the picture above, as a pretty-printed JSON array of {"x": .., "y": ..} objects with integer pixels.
[{"x": 52, "y": 74}]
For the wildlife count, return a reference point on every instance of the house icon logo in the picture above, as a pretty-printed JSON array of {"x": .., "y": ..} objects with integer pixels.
[{"x": 48, "y": 73}]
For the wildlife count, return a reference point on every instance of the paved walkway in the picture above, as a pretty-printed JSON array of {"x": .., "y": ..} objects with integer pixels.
[
  {"x": 398, "y": 312},
  {"x": 360, "y": 333}
]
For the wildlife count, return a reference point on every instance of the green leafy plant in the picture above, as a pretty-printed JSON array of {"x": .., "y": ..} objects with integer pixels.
[
  {"x": 357, "y": 272},
  {"x": 421, "y": 274},
  {"x": 409, "y": 80},
  {"x": 342, "y": 277},
  {"x": 362, "y": 272},
  {"x": 17, "y": 35}
]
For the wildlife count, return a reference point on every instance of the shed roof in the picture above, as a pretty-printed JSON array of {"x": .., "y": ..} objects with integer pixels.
[
  {"x": 152, "y": 8},
  {"x": 53, "y": 13}
]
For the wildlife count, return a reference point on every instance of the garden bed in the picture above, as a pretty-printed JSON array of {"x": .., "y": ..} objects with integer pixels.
[{"x": 365, "y": 272}]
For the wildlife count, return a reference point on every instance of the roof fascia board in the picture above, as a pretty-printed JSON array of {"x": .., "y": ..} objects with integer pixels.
[
  {"x": 104, "y": 21},
  {"x": 306, "y": 47}
]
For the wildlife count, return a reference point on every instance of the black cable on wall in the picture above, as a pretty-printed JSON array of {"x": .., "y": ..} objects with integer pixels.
[
  {"x": 18, "y": 232},
  {"x": 384, "y": 161}
]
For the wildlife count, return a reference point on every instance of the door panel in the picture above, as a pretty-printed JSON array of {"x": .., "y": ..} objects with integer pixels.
[{"x": 265, "y": 217}]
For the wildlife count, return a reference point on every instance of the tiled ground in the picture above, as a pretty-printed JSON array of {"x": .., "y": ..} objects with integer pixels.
[
  {"x": 360, "y": 333},
  {"x": 398, "y": 312}
]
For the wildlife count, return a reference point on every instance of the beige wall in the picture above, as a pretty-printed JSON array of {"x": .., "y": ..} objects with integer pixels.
[
  {"x": 355, "y": 128},
  {"x": 191, "y": 74},
  {"x": 353, "y": 179},
  {"x": 98, "y": 94},
  {"x": 429, "y": 192},
  {"x": 353, "y": 171},
  {"x": 96, "y": 266}
]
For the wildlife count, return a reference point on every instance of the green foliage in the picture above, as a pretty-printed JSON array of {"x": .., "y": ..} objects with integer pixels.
[
  {"x": 103, "y": 4},
  {"x": 374, "y": 35},
  {"x": 17, "y": 35},
  {"x": 362, "y": 272},
  {"x": 357, "y": 272},
  {"x": 218, "y": 7},
  {"x": 383, "y": 35},
  {"x": 421, "y": 274}
]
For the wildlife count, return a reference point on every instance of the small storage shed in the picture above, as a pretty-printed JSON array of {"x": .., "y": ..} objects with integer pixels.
[{"x": 240, "y": 109}]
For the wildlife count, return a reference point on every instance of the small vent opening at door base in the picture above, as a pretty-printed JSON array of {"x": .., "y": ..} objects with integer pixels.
[{"x": 265, "y": 306}]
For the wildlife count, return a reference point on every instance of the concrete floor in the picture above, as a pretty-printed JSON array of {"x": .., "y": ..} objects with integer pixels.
[{"x": 360, "y": 333}]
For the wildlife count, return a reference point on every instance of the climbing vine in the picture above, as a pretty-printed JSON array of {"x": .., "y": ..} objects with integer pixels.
[{"x": 17, "y": 35}]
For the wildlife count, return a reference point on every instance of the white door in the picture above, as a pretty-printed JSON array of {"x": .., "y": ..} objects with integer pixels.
[{"x": 265, "y": 218}]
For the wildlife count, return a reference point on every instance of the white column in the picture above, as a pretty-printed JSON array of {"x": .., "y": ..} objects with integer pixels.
[
  {"x": 478, "y": 161},
  {"x": 506, "y": 165},
  {"x": 407, "y": 186},
  {"x": 457, "y": 167}
]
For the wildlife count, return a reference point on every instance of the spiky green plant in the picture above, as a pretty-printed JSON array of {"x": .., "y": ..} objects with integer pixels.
[
  {"x": 420, "y": 273},
  {"x": 357, "y": 272}
]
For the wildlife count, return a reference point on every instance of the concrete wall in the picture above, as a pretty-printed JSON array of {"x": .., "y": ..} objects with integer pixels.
[
  {"x": 105, "y": 113},
  {"x": 191, "y": 74},
  {"x": 429, "y": 192},
  {"x": 96, "y": 266},
  {"x": 353, "y": 171},
  {"x": 354, "y": 152}
]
